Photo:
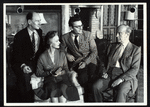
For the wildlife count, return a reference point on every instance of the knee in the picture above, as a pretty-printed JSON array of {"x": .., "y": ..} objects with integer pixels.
[
  {"x": 124, "y": 89},
  {"x": 97, "y": 86}
]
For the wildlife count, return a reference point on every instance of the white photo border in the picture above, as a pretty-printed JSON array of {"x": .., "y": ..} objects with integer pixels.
[{"x": 78, "y": 104}]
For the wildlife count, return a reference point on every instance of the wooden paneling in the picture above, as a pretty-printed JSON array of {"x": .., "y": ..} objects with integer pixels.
[{"x": 110, "y": 22}]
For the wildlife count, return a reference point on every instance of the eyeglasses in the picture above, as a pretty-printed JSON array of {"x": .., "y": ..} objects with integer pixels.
[{"x": 80, "y": 26}]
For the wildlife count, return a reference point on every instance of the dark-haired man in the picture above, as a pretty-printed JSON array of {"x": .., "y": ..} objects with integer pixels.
[
  {"x": 80, "y": 48},
  {"x": 26, "y": 49},
  {"x": 122, "y": 66}
]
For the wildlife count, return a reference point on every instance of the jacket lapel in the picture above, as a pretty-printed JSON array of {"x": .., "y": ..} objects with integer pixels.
[
  {"x": 70, "y": 40},
  {"x": 71, "y": 43},
  {"x": 56, "y": 57}
]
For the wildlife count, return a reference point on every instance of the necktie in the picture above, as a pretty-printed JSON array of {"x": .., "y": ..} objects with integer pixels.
[
  {"x": 76, "y": 41},
  {"x": 117, "y": 55},
  {"x": 33, "y": 42}
]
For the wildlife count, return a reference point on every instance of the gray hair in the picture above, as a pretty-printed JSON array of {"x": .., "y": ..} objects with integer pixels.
[{"x": 128, "y": 28}]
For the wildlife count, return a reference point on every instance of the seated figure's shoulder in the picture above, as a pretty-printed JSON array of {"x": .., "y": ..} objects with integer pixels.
[
  {"x": 87, "y": 33},
  {"x": 43, "y": 55},
  {"x": 65, "y": 35},
  {"x": 138, "y": 48},
  {"x": 61, "y": 52}
]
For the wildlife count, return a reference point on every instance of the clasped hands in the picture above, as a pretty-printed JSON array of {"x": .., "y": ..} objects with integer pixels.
[
  {"x": 58, "y": 72},
  {"x": 71, "y": 58},
  {"x": 115, "y": 83}
]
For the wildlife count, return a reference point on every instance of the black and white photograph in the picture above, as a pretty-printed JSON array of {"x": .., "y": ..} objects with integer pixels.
[{"x": 79, "y": 54}]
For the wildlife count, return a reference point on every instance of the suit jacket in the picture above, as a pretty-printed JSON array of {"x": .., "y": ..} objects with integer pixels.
[
  {"x": 129, "y": 62},
  {"x": 23, "y": 50},
  {"x": 87, "y": 46}
]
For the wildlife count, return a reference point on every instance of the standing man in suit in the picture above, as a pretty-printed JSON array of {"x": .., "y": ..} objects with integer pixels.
[
  {"x": 81, "y": 51},
  {"x": 26, "y": 49},
  {"x": 122, "y": 66}
]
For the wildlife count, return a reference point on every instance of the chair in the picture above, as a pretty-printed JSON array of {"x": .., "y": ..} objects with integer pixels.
[
  {"x": 36, "y": 80},
  {"x": 109, "y": 95}
]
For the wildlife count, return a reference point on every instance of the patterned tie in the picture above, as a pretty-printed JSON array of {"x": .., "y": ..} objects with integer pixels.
[
  {"x": 76, "y": 41},
  {"x": 118, "y": 53},
  {"x": 33, "y": 42}
]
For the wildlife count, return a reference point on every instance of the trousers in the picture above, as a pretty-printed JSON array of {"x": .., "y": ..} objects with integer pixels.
[{"x": 102, "y": 84}]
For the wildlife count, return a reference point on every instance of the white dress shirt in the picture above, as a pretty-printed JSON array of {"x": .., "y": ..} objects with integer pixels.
[{"x": 73, "y": 37}]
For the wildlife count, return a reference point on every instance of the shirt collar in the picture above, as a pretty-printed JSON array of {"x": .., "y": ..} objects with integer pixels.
[
  {"x": 125, "y": 43},
  {"x": 30, "y": 31},
  {"x": 73, "y": 34}
]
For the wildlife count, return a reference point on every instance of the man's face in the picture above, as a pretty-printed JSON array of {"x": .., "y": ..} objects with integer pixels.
[
  {"x": 122, "y": 35},
  {"x": 35, "y": 23},
  {"x": 77, "y": 27}
]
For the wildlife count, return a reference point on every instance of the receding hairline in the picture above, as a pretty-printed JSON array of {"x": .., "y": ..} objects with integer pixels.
[{"x": 125, "y": 28}]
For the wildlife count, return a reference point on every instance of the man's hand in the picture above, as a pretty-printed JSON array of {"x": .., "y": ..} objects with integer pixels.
[
  {"x": 105, "y": 75},
  {"x": 117, "y": 82},
  {"x": 27, "y": 69},
  {"x": 82, "y": 65},
  {"x": 71, "y": 58}
]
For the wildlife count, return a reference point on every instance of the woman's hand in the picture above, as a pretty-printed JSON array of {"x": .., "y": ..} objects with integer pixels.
[{"x": 59, "y": 72}]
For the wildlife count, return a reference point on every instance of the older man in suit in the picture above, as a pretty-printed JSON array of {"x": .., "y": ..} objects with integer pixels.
[
  {"x": 81, "y": 51},
  {"x": 26, "y": 49},
  {"x": 122, "y": 66}
]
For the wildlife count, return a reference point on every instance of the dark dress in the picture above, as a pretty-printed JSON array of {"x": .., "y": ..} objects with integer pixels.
[{"x": 55, "y": 86}]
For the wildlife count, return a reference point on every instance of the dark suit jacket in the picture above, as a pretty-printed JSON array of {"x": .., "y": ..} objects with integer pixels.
[
  {"x": 87, "y": 46},
  {"x": 23, "y": 51},
  {"x": 129, "y": 62}
]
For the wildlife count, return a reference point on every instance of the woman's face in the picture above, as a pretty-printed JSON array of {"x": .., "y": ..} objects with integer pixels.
[{"x": 54, "y": 42}]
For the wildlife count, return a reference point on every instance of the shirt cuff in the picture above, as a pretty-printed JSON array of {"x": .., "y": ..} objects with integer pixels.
[{"x": 23, "y": 65}]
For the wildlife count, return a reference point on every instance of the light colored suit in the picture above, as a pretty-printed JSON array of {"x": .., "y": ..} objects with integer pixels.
[
  {"x": 87, "y": 46},
  {"x": 129, "y": 62},
  {"x": 87, "y": 49}
]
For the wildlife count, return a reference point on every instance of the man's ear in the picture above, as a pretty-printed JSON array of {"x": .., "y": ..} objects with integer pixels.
[
  {"x": 128, "y": 34},
  {"x": 29, "y": 21}
]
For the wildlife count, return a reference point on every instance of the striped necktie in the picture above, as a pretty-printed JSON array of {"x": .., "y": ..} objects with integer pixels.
[{"x": 33, "y": 42}]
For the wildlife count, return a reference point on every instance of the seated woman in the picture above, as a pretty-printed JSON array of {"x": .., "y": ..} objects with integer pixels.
[{"x": 52, "y": 65}]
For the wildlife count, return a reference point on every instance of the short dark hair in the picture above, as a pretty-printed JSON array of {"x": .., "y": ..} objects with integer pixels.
[
  {"x": 49, "y": 36},
  {"x": 29, "y": 16},
  {"x": 76, "y": 17}
]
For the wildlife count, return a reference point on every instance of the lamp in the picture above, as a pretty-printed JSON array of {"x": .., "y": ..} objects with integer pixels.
[
  {"x": 43, "y": 21},
  {"x": 130, "y": 15}
]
